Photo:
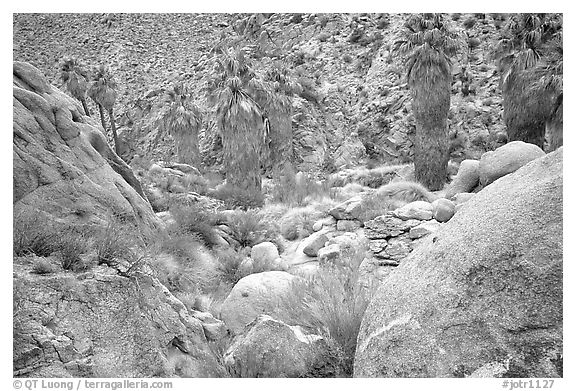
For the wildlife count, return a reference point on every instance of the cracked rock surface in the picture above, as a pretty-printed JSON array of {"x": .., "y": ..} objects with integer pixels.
[{"x": 100, "y": 324}]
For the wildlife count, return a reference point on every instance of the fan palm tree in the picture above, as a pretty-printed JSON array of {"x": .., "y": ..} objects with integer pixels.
[
  {"x": 274, "y": 91},
  {"x": 181, "y": 118},
  {"x": 529, "y": 57},
  {"x": 103, "y": 91},
  {"x": 75, "y": 78},
  {"x": 239, "y": 118},
  {"x": 429, "y": 44}
]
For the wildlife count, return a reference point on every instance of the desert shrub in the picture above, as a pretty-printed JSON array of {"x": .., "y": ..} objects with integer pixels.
[
  {"x": 33, "y": 234},
  {"x": 246, "y": 227},
  {"x": 298, "y": 222},
  {"x": 375, "y": 205},
  {"x": 157, "y": 200},
  {"x": 42, "y": 266},
  {"x": 72, "y": 244},
  {"x": 229, "y": 261},
  {"x": 184, "y": 265},
  {"x": 115, "y": 242},
  {"x": 330, "y": 303},
  {"x": 374, "y": 177},
  {"x": 298, "y": 190},
  {"x": 194, "y": 219},
  {"x": 455, "y": 16},
  {"x": 347, "y": 58},
  {"x": 234, "y": 197},
  {"x": 195, "y": 183}
]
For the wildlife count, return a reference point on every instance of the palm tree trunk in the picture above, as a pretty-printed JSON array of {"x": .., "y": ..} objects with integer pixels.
[
  {"x": 242, "y": 153},
  {"x": 524, "y": 114},
  {"x": 85, "y": 106},
  {"x": 281, "y": 142},
  {"x": 554, "y": 127},
  {"x": 187, "y": 146},
  {"x": 430, "y": 90},
  {"x": 101, "y": 109},
  {"x": 114, "y": 134}
]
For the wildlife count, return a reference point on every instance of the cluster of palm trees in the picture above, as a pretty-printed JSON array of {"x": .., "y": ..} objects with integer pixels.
[
  {"x": 99, "y": 85},
  {"x": 529, "y": 58},
  {"x": 254, "y": 116},
  {"x": 181, "y": 117},
  {"x": 253, "y": 107}
]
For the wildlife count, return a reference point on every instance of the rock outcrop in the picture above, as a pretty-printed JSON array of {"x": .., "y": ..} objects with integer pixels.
[
  {"x": 254, "y": 295},
  {"x": 63, "y": 165},
  {"x": 101, "y": 324},
  {"x": 482, "y": 296},
  {"x": 271, "y": 348},
  {"x": 506, "y": 159}
]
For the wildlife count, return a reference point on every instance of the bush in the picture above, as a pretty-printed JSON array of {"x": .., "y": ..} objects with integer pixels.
[
  {"x": 298, "y": 222},
  {"x": 298, "y": 190},
  {"x": 73, "y": 243},
  {"x": 195, "y": 183},
  {"x": 42, "y": 266},
  {"x": 33, "y": 234},
  {"x": 229, "y": 261},
  {"x": 246, "y": 228},
  {"x": 114, "y": 243},
  {"x": 234, "y": 197},
  {"x": 330, "y": 303},
  {"x": 186, "y": 266},
  {"x": 158, "y": 202},
  {"x": 194, "y": 219}
]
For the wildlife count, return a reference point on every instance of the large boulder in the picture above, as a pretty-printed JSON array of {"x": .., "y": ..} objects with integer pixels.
[
  {"x": 482, "y": 296},
  {"x": 466, "y": 179},
  {"x": 264, "y": 253},
  {"x": 63, "y": 165},
  {"x": 101, "y": 324},
  {"x": 271, "y": 348},
  {"x": 254, "y": 295},
  {"x": 506, "y": 159}
]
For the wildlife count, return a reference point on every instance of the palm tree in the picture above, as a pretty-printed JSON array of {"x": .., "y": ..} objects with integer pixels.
[
  {"x": 529, "y": 57},
  {"x": 75, "y": 78},
  {"x": 429, "y": 44},
  {"x": 103, "y": 92},
  {"x": 274, "y": 91},
  {"x": 239, "y": 118},
  {"x": 182, "y": 119}
]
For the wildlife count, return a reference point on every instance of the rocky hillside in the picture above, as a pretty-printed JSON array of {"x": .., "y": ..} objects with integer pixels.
[{"x": 356, "y": 104}]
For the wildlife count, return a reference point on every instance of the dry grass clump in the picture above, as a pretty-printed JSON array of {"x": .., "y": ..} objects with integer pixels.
[
  {"x": 373, "y": 177},
  {"x": 298, "y": 222},
  {"x": 235, "y": 197},
  {"x": 194, "y": 219},
  {"x": 185, "y": 265},
  {"x": 332, "y": 304},
  {"x": 299, "y": 189},
  {"x": 77, "y": 248},
  {"x": 43, "y": 266},
  {"x": 33, "y": 234}
]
